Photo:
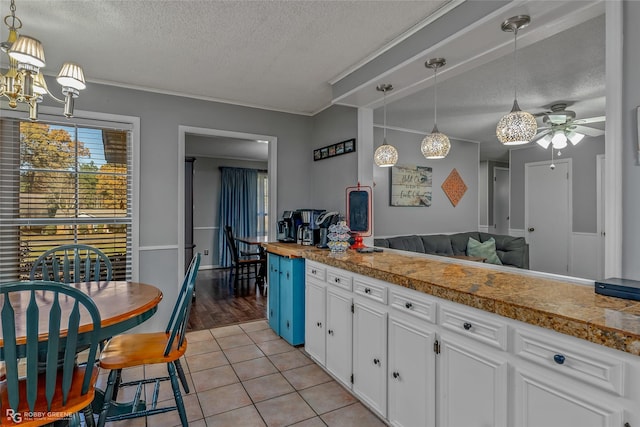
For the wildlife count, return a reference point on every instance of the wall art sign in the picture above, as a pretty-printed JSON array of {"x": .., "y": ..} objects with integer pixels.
[
  {"x": 454, "y": 187},
  {"x": 411, "y": 185},
  {"x": 344, "y": 147}
]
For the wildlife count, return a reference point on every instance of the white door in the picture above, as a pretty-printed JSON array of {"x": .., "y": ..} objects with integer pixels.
[
  {"x": 314, "y": 322},
  {"x": 548, "y": 215},
  {"x": 339, "y": 333},
  {"x": 411, "y": 374},
  {"x": 501, "y": 200},
  {"x": 472, "y": 385},
  {"x": 370, "y": 356}
]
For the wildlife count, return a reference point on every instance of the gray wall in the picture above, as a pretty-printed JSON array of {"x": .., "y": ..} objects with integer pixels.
[
  {"x": 441, "y": 216},
  {"x": 330, "y": 177},
  {"x": 583, "y": 158},
  {"x": 160, "y": 115},
  {"x": 206, "y": 199},
  {"x": 630, "y": 168}
]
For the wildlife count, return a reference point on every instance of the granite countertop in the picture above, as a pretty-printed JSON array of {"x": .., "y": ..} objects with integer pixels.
[{"x": 563, "y": 306}]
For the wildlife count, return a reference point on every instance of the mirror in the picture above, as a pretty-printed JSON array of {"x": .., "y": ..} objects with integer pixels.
[{"x": 569, "y": 67}]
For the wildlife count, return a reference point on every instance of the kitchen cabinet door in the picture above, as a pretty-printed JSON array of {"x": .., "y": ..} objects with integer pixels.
[
  {"x": 370, "y": 356},
  {"x": 411, "y": 374},
  {"x": 339, "y": 335},
  {"x": 274, "y": 293},
  {"x": 315, "y": 306},
  {"x": 472, "y": 384}
]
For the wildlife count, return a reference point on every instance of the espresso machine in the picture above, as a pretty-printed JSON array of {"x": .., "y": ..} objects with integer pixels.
[
  {"x": 323, "y": 221},
  {"x": 288, "y": 226},
  {"x": 308, "y": 232}
]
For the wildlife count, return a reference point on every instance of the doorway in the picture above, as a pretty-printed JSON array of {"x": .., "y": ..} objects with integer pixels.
[
  {"x": 501, "y": 200},
  {"x": 548, "y": 215}
]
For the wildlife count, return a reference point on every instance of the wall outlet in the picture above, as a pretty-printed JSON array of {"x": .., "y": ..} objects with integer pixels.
[{"x": 206, "y": 252}]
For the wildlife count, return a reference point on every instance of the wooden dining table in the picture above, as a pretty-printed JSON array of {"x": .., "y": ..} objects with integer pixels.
[{"x": 122, "y": 305}]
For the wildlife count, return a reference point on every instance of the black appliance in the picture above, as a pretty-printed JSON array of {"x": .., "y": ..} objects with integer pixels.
[
  {"x": 308, "y": 233},
  {"x": 288, "y": 226}
]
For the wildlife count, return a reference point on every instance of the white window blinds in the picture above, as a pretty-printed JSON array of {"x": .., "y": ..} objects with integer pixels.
[{"x": 60, "y": 183}]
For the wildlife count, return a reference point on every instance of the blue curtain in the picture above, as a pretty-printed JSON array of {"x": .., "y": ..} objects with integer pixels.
[{"x": 238, "y": 206}]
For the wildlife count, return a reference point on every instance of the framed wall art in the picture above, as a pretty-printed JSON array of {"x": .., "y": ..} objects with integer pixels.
[
  {"x": 343, "y": 147},
  {"x": 411, "y": 185}
]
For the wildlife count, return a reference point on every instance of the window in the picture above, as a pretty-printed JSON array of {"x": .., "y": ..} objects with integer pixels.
[
  {"x": 263, "y": 204},
  {"x": 64, "y": 182}
]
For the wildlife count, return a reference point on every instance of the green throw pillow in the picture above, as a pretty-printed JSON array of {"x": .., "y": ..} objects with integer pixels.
[{"x": 485, "y": 250}]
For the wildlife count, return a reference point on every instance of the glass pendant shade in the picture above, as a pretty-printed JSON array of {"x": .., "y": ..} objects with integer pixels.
[
  {"x": 559, "y": 140},
  {"x": 27, "y": 50},
  {"x": 545, "y": 141},
  {"x": 71, "y": 75},
  {"x": 386, "y": 155},
  {"x": 436, "y": 145},
  {"x": 574, "y": 137},
  {"x": 517, "y": 127}
]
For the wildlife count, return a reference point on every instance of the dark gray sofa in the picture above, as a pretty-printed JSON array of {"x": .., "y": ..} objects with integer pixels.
[{"x": 512, "y": 251}]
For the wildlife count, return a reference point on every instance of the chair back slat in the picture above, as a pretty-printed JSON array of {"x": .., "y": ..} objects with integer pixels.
[
  {"x": 43, "y": 356},
  {"x": 231, "y": 244},
  {"x": 10, "y": 351},
  {"x": 53, "y": 345},
  {"x": 72, "y": 263},
  {"x": 33, "y": 320},
  {"x": 180, "y": 315}
]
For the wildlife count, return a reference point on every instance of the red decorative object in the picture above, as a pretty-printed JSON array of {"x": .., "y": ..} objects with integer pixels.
[
  {"x": 454, "y": 187},
  {"x": 357, "y": 244}
]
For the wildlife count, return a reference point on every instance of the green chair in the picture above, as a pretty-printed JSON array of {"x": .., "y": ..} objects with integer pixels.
[
  {"x": 50, "y": 384},
  {"x": 73, "y": 263},
  {"x": 129, "y": 350}
]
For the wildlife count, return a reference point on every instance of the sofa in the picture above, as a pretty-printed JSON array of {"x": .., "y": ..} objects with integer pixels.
[{"x": 512, "y": 251}]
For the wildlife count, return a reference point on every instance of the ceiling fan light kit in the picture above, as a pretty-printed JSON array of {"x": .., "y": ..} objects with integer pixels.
[
  {"x": 517, "y": 127},
  {"x": 561, "y": 126},
  {"x": 436, "y": 145},
  {"x": 23, "y": 82},
  {"x": 385, "y": 155}
]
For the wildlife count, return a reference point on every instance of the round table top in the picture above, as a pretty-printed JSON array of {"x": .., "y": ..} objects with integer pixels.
[{"x": 122, "y": 305}]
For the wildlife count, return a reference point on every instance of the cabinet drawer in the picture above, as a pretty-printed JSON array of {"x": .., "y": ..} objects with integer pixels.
[
  {"x": 473, "y": 324},
  {"x": 339, "y": 278},
  {"x": 591, "y": 365},
  {"x": 370, "y": 289},
  {"x": 317, "y": 270},
  {"x": 422, "y": 308}
]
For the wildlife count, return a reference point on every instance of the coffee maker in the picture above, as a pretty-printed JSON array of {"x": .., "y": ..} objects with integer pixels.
[
  {"x": 323, "y": 222},
  {"x": 288, "y": 226},
  {"x": 308, "y": 232}
]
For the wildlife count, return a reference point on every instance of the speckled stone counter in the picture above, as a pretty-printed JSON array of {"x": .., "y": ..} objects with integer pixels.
[{"x": 565, "y": 307}]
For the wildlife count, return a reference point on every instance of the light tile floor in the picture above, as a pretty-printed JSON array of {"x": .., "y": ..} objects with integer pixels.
[{"x": 245, "y": 375}]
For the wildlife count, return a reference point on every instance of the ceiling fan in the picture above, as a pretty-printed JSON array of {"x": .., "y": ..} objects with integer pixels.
[{"x": 560, "y": 125}]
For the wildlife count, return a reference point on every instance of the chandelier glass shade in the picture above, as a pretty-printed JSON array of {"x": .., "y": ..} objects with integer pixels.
[
  {"x": 517, "y": 127},
  {"x": 385, "y": 155},
  {"x": 24, "y": 82},
  {"x": 558, "y": 139},
  {"x": 436, "y": 145}
]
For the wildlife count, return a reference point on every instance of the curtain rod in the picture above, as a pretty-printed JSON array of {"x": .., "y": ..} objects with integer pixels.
[{"x": 231, "y": 167}]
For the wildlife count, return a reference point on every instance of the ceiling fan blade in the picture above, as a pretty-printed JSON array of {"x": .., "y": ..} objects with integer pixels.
[
  {"x": 589, "y": 131},
  {"x": 590, "y": 120}
]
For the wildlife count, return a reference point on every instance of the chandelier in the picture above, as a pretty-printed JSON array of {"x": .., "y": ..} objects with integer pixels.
[
  {"x": 23, "y": 82},
  {"x": 517, "y": 127},
  {"x": 436, "y": 145},
  {"x": 386, "y": 155}
]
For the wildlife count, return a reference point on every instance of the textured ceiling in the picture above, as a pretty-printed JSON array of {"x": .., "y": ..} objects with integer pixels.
[{"x": 273, "y": 54}]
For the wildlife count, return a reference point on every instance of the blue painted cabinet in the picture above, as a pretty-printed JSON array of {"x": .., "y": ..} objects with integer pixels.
[{"x": 286, "y": 298}]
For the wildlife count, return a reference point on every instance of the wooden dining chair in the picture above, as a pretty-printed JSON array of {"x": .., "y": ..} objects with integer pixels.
[
  {"x": 168, "y": 346},
  {"x": 50, "y": 385},
  {"x": 72, "y": 263},
  {"x": 244, "y": 266}
]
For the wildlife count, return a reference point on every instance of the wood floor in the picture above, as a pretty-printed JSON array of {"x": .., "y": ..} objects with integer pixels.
[{"x": 216, "y": 304}]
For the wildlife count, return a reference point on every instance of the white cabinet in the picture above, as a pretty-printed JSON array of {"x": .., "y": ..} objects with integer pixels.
[
  {"x": 370, "y": 355},
  {"x": 339, "y": 335},
  {"x": 314, "y": 322},
  {"x": 546, "y": 402},
  {"x": 411, "y": 373},
  {"x": 472, "y": 384}
]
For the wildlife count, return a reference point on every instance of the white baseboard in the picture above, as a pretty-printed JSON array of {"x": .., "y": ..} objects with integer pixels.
[
  {"x": 517, "y": 232},
  {"x": 483, "y": 228}
]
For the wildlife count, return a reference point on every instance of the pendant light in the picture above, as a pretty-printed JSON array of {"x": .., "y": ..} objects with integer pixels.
[
  {"x": 436, "y": 145},
  {"x": 386, "y": 155},
  {"x": 518, "y": 127}
]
